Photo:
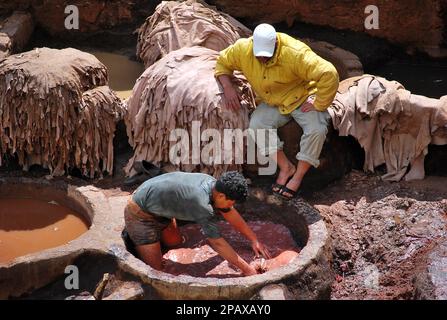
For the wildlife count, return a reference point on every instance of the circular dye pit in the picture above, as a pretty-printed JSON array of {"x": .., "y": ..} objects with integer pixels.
[
  {"x": 44, "y": 226},
  {"x": 123, "y": 72},
  {"x": 294, "y": 232},
  {"x": 32, "y": 225},
  {"x": 196, "y": 257}
]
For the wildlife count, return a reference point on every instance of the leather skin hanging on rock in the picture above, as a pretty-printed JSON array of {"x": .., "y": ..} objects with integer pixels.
[
  {"x": 175, "y": 25},
  {"x": 57, "y": 111}
]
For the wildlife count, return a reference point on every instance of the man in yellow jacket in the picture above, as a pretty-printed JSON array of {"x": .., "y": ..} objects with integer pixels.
[{"x": 292, "y": 82}]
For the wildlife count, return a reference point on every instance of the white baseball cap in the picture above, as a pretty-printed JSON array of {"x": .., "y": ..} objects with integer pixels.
[{"x": 264, "y": 40}]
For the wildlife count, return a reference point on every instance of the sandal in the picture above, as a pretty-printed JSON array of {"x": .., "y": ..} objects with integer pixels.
[
  {"x": 287, "y": 190},
  {"x": 278, "y": 186}
]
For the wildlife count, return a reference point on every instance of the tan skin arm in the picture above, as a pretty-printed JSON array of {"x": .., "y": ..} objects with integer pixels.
[
  {"x": 234, "y": 218},
  {"x": 221, "y": 246}
]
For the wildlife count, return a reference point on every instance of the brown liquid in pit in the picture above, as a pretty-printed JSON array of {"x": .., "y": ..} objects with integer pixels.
[
  {"x": 28, "y": 225},
  {"x": 123, "y": 72},
  {"x": 196, "y": 258}
]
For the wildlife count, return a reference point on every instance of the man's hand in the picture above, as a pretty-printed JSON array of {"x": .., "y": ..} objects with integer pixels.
[
  {"x": 231, "y": 97},
  {"x": 260, "y": 249},
  {"x": 227, "y": 252},
  {"x": 308, "y": 105},
  {"x": 249, "y": 271}
]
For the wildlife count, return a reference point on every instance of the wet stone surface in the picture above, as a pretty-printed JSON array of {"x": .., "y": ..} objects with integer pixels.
[{"x": 431, "y": 283}]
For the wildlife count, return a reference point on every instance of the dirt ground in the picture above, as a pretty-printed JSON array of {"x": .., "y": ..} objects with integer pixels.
[{"x": 381, "y": 232}]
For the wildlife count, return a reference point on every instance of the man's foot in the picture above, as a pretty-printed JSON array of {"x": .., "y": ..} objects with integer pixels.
[
  {"x": 287, "y": 194},
  {"x": 283, "y": 177},
  {"x": 290, "y": 190}
]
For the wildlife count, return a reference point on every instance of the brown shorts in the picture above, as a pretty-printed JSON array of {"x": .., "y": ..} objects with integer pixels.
[{"x": 141, "y": 226}]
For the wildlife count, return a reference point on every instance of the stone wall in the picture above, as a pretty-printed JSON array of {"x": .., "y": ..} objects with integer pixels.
[
  {"x": 413, "y": 23},
  {"x": 93, "y": 15}
]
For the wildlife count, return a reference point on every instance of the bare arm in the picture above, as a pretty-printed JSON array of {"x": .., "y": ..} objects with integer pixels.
[
  {"x": 234, "y": 218},
  {"x": 227, "y": 252}
]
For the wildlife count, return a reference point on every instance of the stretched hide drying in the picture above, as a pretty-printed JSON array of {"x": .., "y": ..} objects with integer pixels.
[
  {"x": 393, "y": 126},
  {"x": 56, "y": 111},
  {"x": 175, "y": 25},
  {"x": 171, "y": 94}
]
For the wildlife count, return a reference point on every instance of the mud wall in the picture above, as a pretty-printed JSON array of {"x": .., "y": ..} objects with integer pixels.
[
  {"x": 93, "y": 15},
  {"x": 413, "y": 23}
]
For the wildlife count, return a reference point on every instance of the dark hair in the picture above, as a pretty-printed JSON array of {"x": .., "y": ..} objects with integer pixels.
[{"x": 233, "y": 185}]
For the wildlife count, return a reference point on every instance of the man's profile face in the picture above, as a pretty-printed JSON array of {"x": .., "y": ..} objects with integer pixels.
[
  {"x": 221, "y": 202},
  {"x": 263, "y": 59}
]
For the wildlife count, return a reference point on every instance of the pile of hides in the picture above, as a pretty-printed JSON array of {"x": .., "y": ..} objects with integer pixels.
[
  {"x": 57, "y": 111},
  {"x": 171, "y": 94},
  {"x": 393, "y": 126},
  {"x": 175, "y": 25}
]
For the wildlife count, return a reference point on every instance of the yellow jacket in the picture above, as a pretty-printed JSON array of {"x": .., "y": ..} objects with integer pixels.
[{"x": 288, "y": 78}]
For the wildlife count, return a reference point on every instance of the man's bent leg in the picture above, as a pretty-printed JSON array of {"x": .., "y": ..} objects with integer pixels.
[
  {"x": 268, "y": 117},
  {"x": 314, "y": 125},
  {"x": 151, "y": 254},
  {"x": 144, "y": 230}
]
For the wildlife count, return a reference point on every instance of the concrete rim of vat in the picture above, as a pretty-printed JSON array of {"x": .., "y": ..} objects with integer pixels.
[
  {"x": 168, "y": 286},
  {"x": 37, "y": 269},
  {"x": 311, "y": 269}
]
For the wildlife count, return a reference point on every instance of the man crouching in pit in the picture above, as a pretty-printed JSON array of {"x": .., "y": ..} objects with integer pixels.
[{"x": 195, "y": 197}]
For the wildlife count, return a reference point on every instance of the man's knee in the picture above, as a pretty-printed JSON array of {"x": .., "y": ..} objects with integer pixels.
[
  {"x": 256, "y": 123},
  {"x": 318, "y": 132}
]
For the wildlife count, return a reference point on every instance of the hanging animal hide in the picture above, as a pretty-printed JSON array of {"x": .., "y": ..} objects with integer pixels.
[
  {"x": 175, "y": 25},
  {"x": 57, "y": 111},
  {"x": 178, "y": 92}
]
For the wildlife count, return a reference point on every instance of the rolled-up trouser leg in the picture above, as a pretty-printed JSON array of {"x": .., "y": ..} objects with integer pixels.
[
  {"x": 314, "y": 125},
  {"x": 268, "y": 117}
]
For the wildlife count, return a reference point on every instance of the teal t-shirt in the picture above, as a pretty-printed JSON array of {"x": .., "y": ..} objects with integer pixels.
[{"x": 180, "y": 195}]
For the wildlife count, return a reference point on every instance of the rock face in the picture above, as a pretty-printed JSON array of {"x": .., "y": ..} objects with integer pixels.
[
  {"x": 431, "y": 283},
  {"x": 15, "y": 32},
  {"x": 397, "y": 19},
  {"x": 347, "y": 64},
  {"x": 93, "y": 15}
]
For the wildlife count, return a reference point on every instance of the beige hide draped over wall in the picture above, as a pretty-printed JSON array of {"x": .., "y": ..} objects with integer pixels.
[
  {"x": 175, "y": 25},
  {"x": 393, "y": 126},
  {"x": 177, "y": 92},
  {"x": 57, "y": 111}
]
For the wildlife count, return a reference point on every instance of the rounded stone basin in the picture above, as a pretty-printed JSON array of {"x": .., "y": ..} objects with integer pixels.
[
  {"x": 59, "y": 235},
  {"x": 101, "y": 251},
  {"x": 29, "y": 225},
  {"x": 307, "y": 276}
]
